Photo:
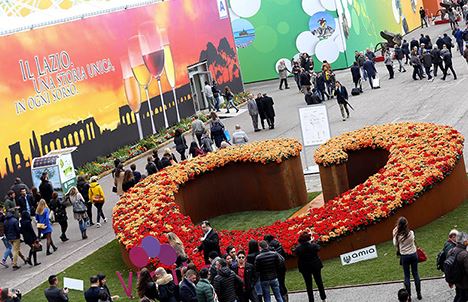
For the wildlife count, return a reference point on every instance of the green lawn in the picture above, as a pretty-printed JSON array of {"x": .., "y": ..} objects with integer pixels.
[{"x": 385, "y": 268}]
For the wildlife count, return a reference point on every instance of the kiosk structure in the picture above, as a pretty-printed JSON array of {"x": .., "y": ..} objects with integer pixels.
[{"x": 59, "y": 165}]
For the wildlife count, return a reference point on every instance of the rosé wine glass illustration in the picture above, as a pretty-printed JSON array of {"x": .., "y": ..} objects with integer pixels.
[
  {"x": 140, "y": 72},
  {"x": 153, "y": 55}
]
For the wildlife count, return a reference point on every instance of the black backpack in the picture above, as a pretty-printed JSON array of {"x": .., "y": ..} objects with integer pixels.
[
  {"x": 452, "y": 268},
  {"x": 440, "y": 260}
]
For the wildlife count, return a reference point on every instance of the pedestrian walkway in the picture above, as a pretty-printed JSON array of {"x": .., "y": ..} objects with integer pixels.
[
  {"x": 435, "y": 290},
  {"x": 401, "y": 99}
]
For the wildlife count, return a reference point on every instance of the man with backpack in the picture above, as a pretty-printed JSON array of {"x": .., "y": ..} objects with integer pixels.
[
  {"x": 448, "y": 245},
  {"x": 456, "y": 268}
]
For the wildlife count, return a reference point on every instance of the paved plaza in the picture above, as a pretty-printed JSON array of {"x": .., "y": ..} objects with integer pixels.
[{"x": 400, "y": 99}]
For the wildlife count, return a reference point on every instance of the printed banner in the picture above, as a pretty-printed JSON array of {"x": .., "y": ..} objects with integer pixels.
[{"x": 96, "y": 83}]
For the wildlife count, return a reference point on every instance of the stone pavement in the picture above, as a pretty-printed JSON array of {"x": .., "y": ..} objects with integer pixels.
[
  {"x": 401, "y": 99},
  {"x": 435, "y": 290}
]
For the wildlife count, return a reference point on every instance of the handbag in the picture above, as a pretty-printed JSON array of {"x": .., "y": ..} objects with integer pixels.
[
  {"x": 41, "y": 226},
  {"x": 421, "y": 255},
  {"x": 37, "y": 246}
]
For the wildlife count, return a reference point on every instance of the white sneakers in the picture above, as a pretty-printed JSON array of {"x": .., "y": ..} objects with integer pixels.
[{"x": 98, "y": 225}]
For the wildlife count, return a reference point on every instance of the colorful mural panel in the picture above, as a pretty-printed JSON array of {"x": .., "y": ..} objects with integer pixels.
[
  {"x": 106, "y": 81},
  {"x": 328, "y": 30}
]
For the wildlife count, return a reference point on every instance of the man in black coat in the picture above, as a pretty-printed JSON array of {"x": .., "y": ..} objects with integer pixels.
[
  {"x": 269, "y": 110},
  {"x": 187, "y": 289},
  {"x": 267, "y": 264},
  {"x": 399, "y": 55},
  {"x": 406, "y": 50},
  {"x": 304, "y": 79},
  {"x": 448, "y": 41},
  {"x": 26, "y": 203},
  {"x": 369, "y": 67},
  {"x": 414, "y": 43},
  {"x": 55, "y": 294},
  {"x": 436, "y": 60},
  {"x": 275, "y": 245},
  {"x": 18, "y": 185},
  {"x": 309, "y": 264},
  {"x": 13, "y": 235},
  {"x": 261, "y": 109},
  {"x": 447, "y": 57},
  {"x": 45, "y": 188},
  {"x": 427, "y": 63},
  {"x": 248, "y": 274},
  {"x": 356, "y": 74},
  {"x": 209, "y": 242},
  {"x": 226, "y": 283},
  {"x": 342, "y": 99},
  {"x": 311, "y": 97}
]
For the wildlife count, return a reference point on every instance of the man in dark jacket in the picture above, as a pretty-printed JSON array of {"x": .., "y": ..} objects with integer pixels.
[
  {"x": 209, "y": 242},
  {"x": 447, "y": 57},
  {"x": 95, "y": 293},
  {"x": 187, "y": 289},
  {"x": 267, "y": 264},
  {"x": 13, "y": 235},
  {"x": 309, "y": 264},
  {"x": 427, "y": 63},
  {"x": 406, "y": 50},
  {"x": 448, "y": 245},
  {"x": 399, "y": 55},
  {"x": 55, "y": 294},
  {"x": 311, "y": 97},
  {"x": 150, "y": 166},
  {"x": 269, "y": 110},
  {"x": 356, "y": 74},
  {"x": 26, "y": 203},
  {"x": 45, "y": 188},
  {"x": 304, "y": 80},
  {"x": 226, "y": 282},
  {"x": 261, "y": 109},
  {"x": 342, "y": 99},
  {"x": 247, "y": 273},
  {"x": 17, "y": 186},
  {"x": 422, "y": 15},
  {"x": 414, "y": 43},
  {"x": 369, "y": 68},
  {"x": 436, "y": 60},
  {"x": 440, "y": 42},
  {"x": 320, "y": 86},
  {"x": 275, "y": 246},
  {"x": 7, "y": 243},
  {"x": 461, "y": 287},
  {"x": 448, "y": 41}
]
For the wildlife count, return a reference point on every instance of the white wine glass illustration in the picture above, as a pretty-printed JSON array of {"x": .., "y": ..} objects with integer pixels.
[
  {"x": 140, "y": 72},
  {"x": 169, "y": 67},
  {"x": 153, "y": 56},
  {"x": 132, "y": 92}
]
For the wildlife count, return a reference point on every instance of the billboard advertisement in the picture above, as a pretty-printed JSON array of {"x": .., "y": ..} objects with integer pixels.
[
  {"x": 106, "y": 81},
  {"x": 269, "y": 31}
]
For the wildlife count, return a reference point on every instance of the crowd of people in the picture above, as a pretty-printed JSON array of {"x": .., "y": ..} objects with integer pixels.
[{"x": 23, "y": 205}]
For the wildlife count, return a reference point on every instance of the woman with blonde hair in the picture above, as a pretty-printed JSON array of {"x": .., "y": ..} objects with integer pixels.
[
  {"x": 178, "y": 246},
  {"x": 166, "y": 287},
  {"x": 79, "y": 210},
  {"x": 44, "y": 225}
]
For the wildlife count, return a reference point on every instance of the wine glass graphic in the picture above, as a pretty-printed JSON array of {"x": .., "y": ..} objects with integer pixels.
[
  {"x": 132, "y": 92},
  {"x": 140, "y": 72},
  {"x": 153, "y": 56},
  {"x": 169, "y": 67}
]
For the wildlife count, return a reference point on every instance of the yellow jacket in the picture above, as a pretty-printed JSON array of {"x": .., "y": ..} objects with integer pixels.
[{"x": 95, "y": 190}]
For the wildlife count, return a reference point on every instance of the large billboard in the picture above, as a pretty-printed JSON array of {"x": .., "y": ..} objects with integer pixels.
[
  {"x": 83, "y": 83},
  {"x": 269, "y": 31}
]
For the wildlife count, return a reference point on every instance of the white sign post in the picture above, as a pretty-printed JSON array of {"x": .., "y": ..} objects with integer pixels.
[
  {"x": 315, "y": 129},
  {"x": 366, "y": 253}
]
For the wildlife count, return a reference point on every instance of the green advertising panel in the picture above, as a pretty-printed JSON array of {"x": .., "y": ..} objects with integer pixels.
[{"x": 267, "y": 31}]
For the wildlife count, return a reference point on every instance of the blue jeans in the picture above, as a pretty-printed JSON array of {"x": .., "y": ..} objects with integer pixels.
[
  {"x": 8, "y": 248},
  {"x": 274, "y": 284},
  {"x": 83, "y": 223},
  {"x": 408, "y": 261},
  {"x": 217, "y": 102}
]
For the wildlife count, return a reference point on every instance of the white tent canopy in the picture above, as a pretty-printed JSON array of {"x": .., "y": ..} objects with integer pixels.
[{"x": 24, "y": 15}]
